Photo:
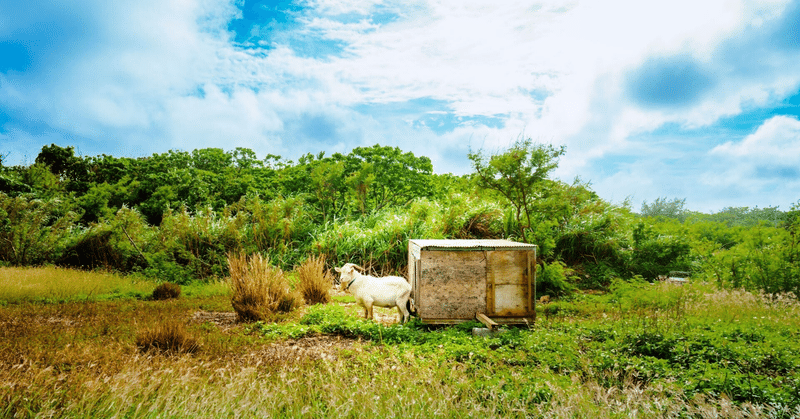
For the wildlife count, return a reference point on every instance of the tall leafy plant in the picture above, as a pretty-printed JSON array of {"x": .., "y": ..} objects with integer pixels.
[
  {"x": 519, "y": 175},
  {"x": 33, "y": 231}
]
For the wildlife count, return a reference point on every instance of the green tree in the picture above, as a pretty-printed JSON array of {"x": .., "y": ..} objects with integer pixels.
[
  {"x": 399, "y": 177},
  {"x": 519, "y": 174},
  {"x": 327, "y": 179},
  {"x": 661, "y": 207}
]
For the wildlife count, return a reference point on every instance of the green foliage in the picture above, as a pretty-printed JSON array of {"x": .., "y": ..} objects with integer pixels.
[
  {"x": 655, "y": 253},
  {"x": 519, "y": 175},
  {"x": 398, "y": 177},
  {"x": 553, "y": 280},
  {"x": 174, "y": 216},
  {"x": 379, "y": 242},
  {"x": 661, "y": 207},
  {"x": 746, "y": 217},
  {"x": 33, "y": 231},
  {"x": 765, "y": 258}
]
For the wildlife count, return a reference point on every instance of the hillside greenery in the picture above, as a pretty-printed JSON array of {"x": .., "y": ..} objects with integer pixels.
[{"x": 175, "y": 217}]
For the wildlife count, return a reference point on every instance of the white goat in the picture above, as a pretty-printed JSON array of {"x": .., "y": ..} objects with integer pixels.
[{"x": 388, "y": 291}]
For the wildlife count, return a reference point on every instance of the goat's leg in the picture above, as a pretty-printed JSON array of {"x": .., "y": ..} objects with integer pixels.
[
  {"x": 402, "y": 302},
  {"x": 404, "y": 315}
]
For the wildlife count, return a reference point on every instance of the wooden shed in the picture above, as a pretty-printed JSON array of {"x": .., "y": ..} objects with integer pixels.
[{"x": 456, "y": 280}]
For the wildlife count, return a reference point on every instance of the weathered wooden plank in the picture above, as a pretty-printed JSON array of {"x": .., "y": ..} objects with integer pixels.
[
  {"x": 485, "y": 320},
  {"x": 506, "y": 269},
  {"x": 506, "y": 266}
]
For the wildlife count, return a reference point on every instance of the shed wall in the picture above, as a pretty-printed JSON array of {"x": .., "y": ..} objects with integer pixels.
[
  {"x": 507, "y": 273},
  {"x": 451, "y": 284}
]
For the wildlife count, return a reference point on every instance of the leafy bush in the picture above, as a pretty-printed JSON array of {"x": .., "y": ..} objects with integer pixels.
[
  {"x": 33, "y": 231},
  {"x": 166, "y": 291},
  {"x": 378, "y": 242},
  {"x": 766, "y": 258},
  {"x": 259, "y": 290},
  {"x": 655, "y": 254},
  {"x": 552, "y": 280}
]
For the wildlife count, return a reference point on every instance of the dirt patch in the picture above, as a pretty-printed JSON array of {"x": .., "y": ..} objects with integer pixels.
[
  {"x": 222, "y": 319},
  {"x": 311, "y": 348},
  {"x": 382, "y": 315}
]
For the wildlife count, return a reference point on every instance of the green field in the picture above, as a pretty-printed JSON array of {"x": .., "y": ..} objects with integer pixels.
[{"x": 640, "y": 350}]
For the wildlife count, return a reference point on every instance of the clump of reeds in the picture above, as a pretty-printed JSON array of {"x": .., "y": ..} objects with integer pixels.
[
  {"x": 259, "y": 289},
  {"x": 315, "y": 282},
  {"x": 166, "y": 291},
  {"x": 169, "y": 338}
]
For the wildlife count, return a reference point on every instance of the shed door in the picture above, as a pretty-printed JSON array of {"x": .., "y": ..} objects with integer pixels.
[{"x": 509, "y": 290}]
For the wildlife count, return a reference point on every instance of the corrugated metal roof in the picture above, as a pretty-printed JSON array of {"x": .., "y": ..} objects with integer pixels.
[{"x": 471, "y": 244}]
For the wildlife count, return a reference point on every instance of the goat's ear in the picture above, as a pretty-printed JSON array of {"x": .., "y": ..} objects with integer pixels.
[{"x": 338, "y": 269}]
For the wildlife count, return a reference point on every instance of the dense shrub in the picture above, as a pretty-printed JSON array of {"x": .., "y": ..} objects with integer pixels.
[
  {"x": 33, "y": 231},
  {"x": 655, "y": 253},
  {"x": 552, "y": 280}
]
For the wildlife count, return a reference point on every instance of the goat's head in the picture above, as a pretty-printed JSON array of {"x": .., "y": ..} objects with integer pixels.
[{"x": 347, "y": 273}]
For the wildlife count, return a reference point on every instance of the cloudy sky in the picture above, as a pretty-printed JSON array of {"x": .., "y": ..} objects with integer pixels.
[{"x": 678, "y": 99}]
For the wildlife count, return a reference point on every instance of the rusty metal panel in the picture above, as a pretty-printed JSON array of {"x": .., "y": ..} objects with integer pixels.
[{"x": 452, "y": 284}]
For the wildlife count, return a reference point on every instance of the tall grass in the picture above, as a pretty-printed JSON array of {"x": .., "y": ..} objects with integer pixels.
[
  {"x": 259, "y": 289},
  {"x": 562, "y": 368},
  {"x": 315, "y": 281},
  {"x": 52, "y": 284}
]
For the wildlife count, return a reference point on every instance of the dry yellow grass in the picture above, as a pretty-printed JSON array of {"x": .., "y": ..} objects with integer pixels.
[
  {"x": 169, "y": 337},
  {"x": 315, "y": 282},
  {"x": 259, "y": 289},
  {"x": 80, "y": 359}
]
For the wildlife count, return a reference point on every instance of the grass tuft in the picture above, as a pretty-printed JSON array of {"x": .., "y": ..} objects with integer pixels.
[
  {"x": 259, "y": 290},
  {"x": 166, "y": 291},
  {"x": 168, "y": 338},
  {"x": 315, "y": 282}
]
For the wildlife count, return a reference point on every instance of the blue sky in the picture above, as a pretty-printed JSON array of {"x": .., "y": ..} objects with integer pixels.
[{"x": 676, "y": 99}]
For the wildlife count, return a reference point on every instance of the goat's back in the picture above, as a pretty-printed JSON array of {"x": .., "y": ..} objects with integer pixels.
[{"x": 384, "y": 291}]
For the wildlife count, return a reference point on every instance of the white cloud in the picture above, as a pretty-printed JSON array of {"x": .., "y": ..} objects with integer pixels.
[
  {"x": 161, "y": 74},
  {"x": 776, "y": 141}
]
